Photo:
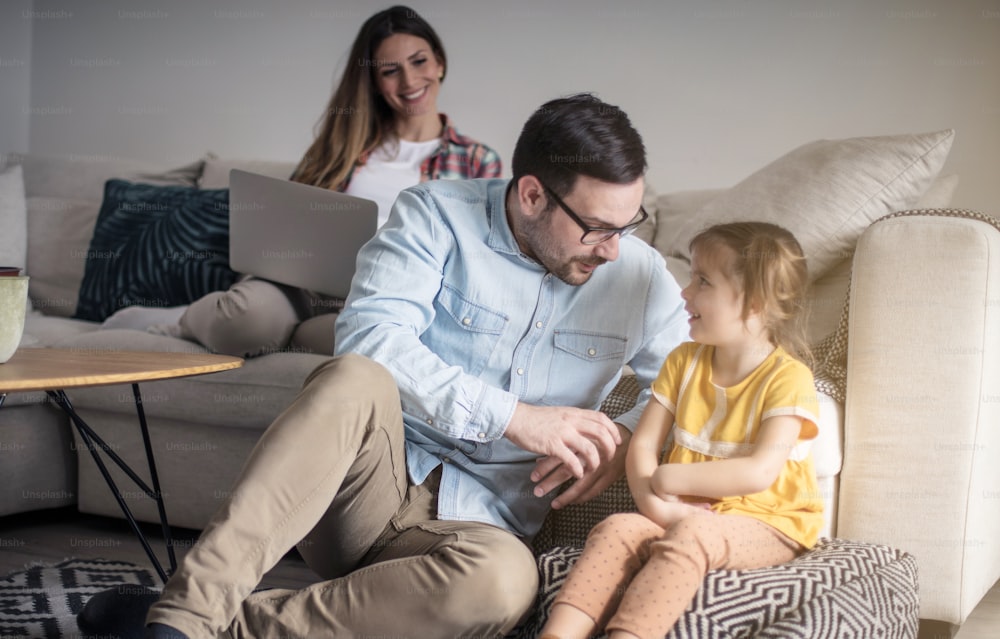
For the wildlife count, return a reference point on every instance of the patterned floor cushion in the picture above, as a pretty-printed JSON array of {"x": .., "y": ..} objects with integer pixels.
[{"x": 841, "y": 588}]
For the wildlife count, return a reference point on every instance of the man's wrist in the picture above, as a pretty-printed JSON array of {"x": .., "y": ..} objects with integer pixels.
[{"x": 492, "y": 415}]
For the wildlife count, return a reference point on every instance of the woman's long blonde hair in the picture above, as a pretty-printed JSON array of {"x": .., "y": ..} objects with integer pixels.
[
  {"x": 770, "y": 270},
  {"x": 357, "y": 120}
]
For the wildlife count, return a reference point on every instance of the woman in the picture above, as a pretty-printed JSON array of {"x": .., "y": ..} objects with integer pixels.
[{"x": 381, "y": 133}]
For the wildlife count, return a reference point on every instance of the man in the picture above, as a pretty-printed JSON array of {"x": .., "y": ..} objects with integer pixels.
[{"x": 487, "y": 321}]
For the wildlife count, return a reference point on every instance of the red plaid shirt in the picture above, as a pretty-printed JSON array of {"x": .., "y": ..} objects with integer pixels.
[{"x": 457, "y": 157}]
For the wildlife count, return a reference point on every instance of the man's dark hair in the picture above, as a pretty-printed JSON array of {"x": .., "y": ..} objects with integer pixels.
[{"x": 578, "y": 135}]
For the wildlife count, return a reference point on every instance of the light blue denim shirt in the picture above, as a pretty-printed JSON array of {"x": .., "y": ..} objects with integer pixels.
[{"x": 469, "y": 326}]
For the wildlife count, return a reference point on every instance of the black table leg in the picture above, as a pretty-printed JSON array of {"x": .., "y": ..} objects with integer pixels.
[{"x": 94, "y": 443}]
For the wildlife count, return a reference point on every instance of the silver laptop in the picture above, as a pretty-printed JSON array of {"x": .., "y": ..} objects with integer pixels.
[{"x": 296, "y": 234}]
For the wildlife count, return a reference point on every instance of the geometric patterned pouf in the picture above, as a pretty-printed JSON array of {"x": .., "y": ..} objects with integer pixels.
[{"x": 839, "y": 589}]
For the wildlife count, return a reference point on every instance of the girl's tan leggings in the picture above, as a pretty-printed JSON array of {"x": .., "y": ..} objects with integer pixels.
[{"x": 635, "y": 576}]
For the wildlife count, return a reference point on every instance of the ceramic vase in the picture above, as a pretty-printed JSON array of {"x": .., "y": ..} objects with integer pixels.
[{"x": 13, "y": 301}]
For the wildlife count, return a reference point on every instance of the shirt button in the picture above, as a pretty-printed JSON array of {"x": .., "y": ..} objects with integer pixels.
[
  {"x": 591, "y": 351},
  {"x": 482, "y": 435},
  {"x": 520, "y": 371},
  {"x": 430, "y": 421},
  {"x": 538, "y": 324},
  {"x": 466, "y": 321}
]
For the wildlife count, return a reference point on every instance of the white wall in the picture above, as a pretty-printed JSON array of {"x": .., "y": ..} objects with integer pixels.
[
  {"x": 717, "y": 87},
  {"x": 15, "y": 75}
]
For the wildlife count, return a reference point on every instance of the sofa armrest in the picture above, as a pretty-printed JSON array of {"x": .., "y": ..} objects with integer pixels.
[{"x": 921, "y": 442}]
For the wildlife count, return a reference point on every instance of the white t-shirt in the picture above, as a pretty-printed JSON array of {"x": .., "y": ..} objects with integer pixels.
[{"x": 391, "y": 168}]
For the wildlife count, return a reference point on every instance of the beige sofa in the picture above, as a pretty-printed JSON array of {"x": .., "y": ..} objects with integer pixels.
[{"x": 909, "y": 459}]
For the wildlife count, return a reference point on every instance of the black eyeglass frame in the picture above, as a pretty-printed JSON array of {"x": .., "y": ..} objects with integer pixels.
[{"x": 606, "y": 233}]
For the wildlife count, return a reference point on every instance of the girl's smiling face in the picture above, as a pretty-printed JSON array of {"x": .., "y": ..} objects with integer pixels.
[
  {"x": 713, "y": 300},
  {"x": 408, "y": 75}
]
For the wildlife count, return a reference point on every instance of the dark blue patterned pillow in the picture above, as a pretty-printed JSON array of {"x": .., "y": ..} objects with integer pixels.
[{"x": 155, "y": 246}]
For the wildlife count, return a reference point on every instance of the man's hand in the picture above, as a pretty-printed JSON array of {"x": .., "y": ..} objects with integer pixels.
[
  {"x": 577, "y": 440},
  {"x": 575, "y": 443},
  {"x": 550, "y": 473}
]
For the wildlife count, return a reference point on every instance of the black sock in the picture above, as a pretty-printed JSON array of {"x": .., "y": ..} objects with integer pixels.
[
  {"x": 117, "y": 612},
  {"x": 163, "y": 631}
]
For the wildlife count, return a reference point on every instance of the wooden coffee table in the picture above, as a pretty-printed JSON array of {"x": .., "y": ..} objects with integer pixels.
[{"x": 54, "y": 370}]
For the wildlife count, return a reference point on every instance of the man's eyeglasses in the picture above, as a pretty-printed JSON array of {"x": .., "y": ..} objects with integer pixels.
[{"x": 596, "y": 235}]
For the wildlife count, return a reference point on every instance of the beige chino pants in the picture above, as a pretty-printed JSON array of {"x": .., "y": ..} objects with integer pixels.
[{"x": 329, "y": 475}]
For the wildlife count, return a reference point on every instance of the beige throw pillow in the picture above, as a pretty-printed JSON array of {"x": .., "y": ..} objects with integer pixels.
[
  {"x": 59, "y": 232},
  {"x": 673, "y": 211},
  {"x": 825, "y": 192},
  {"x": 940, "y": 194}
]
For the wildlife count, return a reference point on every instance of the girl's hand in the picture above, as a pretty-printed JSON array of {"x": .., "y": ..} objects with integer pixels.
[
  {"x": 658, "y": 485},
  {"x": 667, "y": 512}
]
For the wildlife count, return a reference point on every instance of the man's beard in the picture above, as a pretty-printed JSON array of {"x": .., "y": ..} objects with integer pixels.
[
  {"x": 538, "y": 238},
  {"x": 566, "y": 272}
]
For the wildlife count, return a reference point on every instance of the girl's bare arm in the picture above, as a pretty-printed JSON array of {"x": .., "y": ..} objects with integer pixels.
[{"x": 736, "y": 476}]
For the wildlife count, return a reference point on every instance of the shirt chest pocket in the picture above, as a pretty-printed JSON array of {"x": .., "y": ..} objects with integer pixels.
[
  {"x": 583, "y": 363},
  {"x": 464, "y": 333}
]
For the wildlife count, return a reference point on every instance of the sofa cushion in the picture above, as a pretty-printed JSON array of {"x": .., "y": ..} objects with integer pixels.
[
  {"x": 38, "y": 461},
  {"x": 59, "y": 231},
  {"x": 825, "y": 192},
  {"x": 155, "y": 246},
  {"x": 42, "y": 330},
  {"x": 248, "y": 398},
  {"x": 839, "y": 588},
  {"x": 83, "y": 176},
  {"x": 216, "y": 172},
  {"x": 13, "y": 218}
]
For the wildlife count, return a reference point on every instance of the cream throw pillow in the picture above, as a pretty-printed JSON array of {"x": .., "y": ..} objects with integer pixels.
[
  {"x": 825, "y": 192},
  {"x": 59, "y": 232}
]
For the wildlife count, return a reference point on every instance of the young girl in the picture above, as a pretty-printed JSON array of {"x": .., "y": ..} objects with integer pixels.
[{"x": 736, "y": 488}]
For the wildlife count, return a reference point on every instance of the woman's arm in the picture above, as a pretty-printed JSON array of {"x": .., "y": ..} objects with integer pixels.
[{"x": 736, "y": 476}]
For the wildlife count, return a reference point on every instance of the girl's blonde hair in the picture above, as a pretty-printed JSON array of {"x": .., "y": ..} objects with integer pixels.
[{"x": 769, "y": 268}]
